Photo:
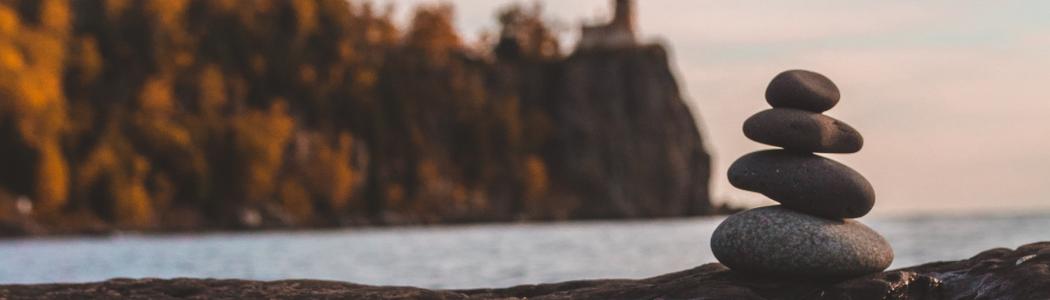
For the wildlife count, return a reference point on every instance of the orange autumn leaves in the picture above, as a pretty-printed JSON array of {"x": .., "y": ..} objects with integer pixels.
[{"x": 155, "y": 114}]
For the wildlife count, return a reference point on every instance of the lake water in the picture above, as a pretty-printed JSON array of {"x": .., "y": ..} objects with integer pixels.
[{"x": 467, "y": 256}]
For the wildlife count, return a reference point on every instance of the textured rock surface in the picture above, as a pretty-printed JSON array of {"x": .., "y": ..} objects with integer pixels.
[
  {"x": 804, "y": 182},
  {"x": 993, "y": 274},
  {"x": 627, "y": 145},
  {"x": 800, "y": 130},
  {"x": 803, "y": 90},
  {"x": 776, "y": 241}
]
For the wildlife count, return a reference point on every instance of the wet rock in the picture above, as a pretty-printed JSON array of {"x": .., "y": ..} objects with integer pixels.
[
  {"x": 800, "y": 130},
  {"x": 776, "y": 241},
  {"x": 942, "y": 280},
  {"x": 804, "y": 182},
  {"x": 803, "y": 90}
]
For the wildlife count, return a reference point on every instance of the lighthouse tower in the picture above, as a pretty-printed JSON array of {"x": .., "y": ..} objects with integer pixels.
[{"x": 618, "y": 33}]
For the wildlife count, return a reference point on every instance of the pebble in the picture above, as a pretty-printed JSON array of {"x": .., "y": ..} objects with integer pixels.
[
  {"x": 805, "y": 182},
  {"x": 803, "y": 90},
  {"x": 801, "y": 130},
  {"x": 774, "y": 241}
]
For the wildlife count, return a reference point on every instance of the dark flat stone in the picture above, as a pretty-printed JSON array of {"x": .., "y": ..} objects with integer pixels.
[
  {"x": 805, "y": 182},
  {"x": 775, "y": 241},
  {"x": 802, "y": 89},
  {"x": 800, "y": 130}
]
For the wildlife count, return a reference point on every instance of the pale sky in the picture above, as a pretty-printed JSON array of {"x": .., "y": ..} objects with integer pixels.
[{"x": 950, "y": 95}]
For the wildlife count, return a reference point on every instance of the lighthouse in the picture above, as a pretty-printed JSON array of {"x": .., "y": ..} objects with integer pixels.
[{"x": 618, "y": 33}]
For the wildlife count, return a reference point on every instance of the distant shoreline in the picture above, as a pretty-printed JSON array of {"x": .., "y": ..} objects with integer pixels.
[
  {"x": 422, "y": 225},
  {"x": 6, "y": 229}
]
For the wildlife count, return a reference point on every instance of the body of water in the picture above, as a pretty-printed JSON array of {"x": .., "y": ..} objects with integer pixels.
[{"x": 466, "y": 256}]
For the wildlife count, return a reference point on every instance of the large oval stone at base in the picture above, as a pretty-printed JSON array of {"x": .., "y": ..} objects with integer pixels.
[{"x": 774, "y": 241}]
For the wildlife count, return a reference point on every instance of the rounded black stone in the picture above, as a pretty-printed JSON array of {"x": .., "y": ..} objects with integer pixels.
[
  {"x": 803, "y": 90},
  {"x": 801, "y": 130},
  {"x": 779, "y": 242},
  {"x": 804, "y": 182}
]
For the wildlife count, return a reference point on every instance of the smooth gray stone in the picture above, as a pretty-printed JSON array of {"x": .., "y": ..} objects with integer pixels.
[
  {"x": 774, "y": 241},
  {"x": 800, "y": 130},
  {"x": 802, "y": 89},
  {"x": 805, "y": 182}
]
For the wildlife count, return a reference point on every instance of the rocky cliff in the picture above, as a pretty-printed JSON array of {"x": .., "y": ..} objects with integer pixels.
[
  {"x": 1000, "y": 274},
  {"x": 197, "y": 115},
  {"x": 628, "y": 144}
]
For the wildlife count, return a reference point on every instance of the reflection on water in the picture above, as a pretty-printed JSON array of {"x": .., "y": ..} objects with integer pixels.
[{"x": 463, "y": 257}]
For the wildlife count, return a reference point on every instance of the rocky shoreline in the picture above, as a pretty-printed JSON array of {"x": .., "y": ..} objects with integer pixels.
[{"x": 1023, "y": 273}]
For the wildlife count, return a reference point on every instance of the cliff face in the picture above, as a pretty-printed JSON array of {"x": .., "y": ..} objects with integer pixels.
[
  {"x": 628, "y": 144},
  {"x": 1000, "y": 274}
]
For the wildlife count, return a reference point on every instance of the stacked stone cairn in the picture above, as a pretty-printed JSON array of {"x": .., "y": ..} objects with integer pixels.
[{"x": 810, "y": 234}]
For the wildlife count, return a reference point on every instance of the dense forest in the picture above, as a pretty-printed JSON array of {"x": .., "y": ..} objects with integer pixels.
[{"x": 225, "y": 114}]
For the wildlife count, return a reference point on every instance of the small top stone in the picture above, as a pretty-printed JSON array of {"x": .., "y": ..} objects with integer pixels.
[{"x": 802, "y": 89}]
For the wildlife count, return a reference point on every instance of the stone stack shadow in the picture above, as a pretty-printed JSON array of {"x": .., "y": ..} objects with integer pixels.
[{"x": 810, "y": 234}]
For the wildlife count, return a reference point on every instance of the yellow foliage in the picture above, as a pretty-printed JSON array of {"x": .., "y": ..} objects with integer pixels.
[
  {"x": 156, "y": 97},
  {"x": 134, "y": 208},
  {"x": 122, "y": 174},
  {"x": 260, "y": 139},
  {"x": 344, "y": 179},
  {"x": 11, "y": 61},
  {"x": 138, "y": 152},
  {"x": 33, "y": 95},
  {"x": 37, "y": 104},
  {"x": 88, "y": 59},
  {"x": 170, "y": 42},
  {"x": 31, "y": 69},
  {"x": 38, "y": 107},
  {"x": 365, "y": 79},
  {"x": 538, "y": 199},
  {"x": 167, "y": 13},
  {"x": 52, "y": 182},
  {"x": 212, "y": 89},
  {"x": 9, "y": 21},
  {"x": 43, "y": 50},
  {"x": 395, "y": 196},
  {"x": 536, "y": 180},
  {"x": 307, "y": 74},
  {"x": 184, "y": 59},
  {"x": 258, "y": 64},
  {"x": 330, "y": 171},
  {"x": 101, "y": 160},
  {"x": 296, "y": 200},
  {"x": 432, "y": 32},
  {"x": 305, "y": 16},
  {"x": 164, "y": 193},
  {"x": 427, "y": 170},
  {"x": 346, "y": 49},
  {"x": 55, "y": 15}
]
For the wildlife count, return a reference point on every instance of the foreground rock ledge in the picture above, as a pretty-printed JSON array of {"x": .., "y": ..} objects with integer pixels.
[{"x": 994, "y": 274}]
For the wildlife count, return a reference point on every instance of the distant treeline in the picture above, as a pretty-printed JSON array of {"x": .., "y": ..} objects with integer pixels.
[{"x": 191, "y": 114}]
